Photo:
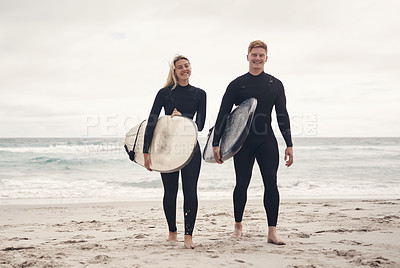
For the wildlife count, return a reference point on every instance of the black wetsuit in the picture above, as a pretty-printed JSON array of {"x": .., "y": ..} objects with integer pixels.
[
  {"x": 188, "y": 100},
  {"x": 261, "y": 144}
]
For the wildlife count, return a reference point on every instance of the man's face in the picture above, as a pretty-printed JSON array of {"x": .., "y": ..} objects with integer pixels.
[{"x": 257, "y": 58}]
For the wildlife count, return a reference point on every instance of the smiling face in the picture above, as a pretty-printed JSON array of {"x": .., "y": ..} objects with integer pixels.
[
  {"x": 183, "y": 71},
  {"x": 257, "y": 58}
]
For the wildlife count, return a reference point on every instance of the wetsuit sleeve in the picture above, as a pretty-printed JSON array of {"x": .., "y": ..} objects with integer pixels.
[
  {"x": 226, "y": 106},
  {"x": 152, "y": 120},
  {"x": 201, "y": 111},
  {"x": 283, "y": 116}
]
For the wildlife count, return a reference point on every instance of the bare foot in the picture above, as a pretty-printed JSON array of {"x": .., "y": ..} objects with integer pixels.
[
  {"x": 273, "y": 237},
  {"x": 173, "y": 237},
  {"x": 237, "y": 233},
  {"x": 188, "y": 242}
]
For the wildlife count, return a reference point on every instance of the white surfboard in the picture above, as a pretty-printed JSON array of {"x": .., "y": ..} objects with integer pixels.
[
  {"x": 172, "y": 146},
  {"x": 235, "y": 133}
]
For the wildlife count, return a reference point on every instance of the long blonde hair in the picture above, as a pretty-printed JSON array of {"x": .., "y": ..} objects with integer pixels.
[{"x": 171, "y": 79}]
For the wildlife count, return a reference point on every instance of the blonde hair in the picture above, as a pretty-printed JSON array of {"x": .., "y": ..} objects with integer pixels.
[
  {"x": 257, "y": 43},
  {"x": 171, "y": 79}
]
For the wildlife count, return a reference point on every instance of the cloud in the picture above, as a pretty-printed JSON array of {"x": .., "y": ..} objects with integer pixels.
[{"x": 73, "y": 58}]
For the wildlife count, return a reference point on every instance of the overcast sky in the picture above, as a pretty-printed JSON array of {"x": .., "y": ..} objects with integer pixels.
[{"x": 92, "y": 68}]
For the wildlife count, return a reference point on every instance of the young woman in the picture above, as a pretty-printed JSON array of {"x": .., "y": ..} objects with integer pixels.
[{"x": 178, "y": 97}]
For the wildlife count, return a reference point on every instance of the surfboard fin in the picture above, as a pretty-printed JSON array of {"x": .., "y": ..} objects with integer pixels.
[{"x": 130, "y": 153}]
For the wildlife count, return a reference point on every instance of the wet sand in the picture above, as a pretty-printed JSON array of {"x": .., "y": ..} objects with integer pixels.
[{"x": 318, "y": 233}]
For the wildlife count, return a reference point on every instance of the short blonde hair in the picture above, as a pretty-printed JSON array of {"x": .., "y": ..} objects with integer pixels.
[
  {"x": 171, "y": 79},
  {"x": 257, "y": 43}
]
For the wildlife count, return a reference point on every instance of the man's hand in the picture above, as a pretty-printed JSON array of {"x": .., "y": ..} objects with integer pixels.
[
  {"x": 289, "y": 154},
  {"x": 217, "y": 156}
]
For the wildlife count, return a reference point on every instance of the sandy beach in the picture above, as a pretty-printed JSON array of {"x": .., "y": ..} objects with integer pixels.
[{"x": 318, "y": 233}]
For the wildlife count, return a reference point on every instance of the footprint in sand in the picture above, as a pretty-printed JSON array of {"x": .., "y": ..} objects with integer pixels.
[
  {"x": 92, "y": 246},
  {"x": 300, "y": 235},
  {"x": 377, "y": 262},
  {"x": 347, "y": 254},
  {"x": 140, "y": 236},
  {"x": 104, "y": 259},
  {"x": 349, "y": 242},
  {"x": 18, "y": 238},
  {"x": 73, "y": 242}
]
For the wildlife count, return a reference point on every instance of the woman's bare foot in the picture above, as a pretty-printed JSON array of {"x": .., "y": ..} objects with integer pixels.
[
  {"x": 173, "y": 237},
  {"x": 237, "y": 233},
  {"x": 188, "y": 242},
  {"x": 273, "y": 237}
]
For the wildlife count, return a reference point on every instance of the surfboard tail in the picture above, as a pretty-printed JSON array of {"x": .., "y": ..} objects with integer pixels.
[
  {"x": 207, "y": 151},
  {"x": 131, "y": 140}
]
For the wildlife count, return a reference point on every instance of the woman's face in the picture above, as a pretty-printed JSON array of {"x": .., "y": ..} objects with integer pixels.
[{"x": 182, "y": 70}]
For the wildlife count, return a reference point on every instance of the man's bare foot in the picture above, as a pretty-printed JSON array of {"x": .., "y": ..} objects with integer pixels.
[
  {"x": 273, "y": 237},
  {"x": 237, "y": 233},
  {"x": 188, "y": 242},
  {"x": 173, "y": 237}
]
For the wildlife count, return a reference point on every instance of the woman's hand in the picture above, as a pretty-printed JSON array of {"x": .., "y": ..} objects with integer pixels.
[
  {"x": 175, "y": 112},
  {"x": 147, "y": 161},
  {"x": 289, "y": 153}
]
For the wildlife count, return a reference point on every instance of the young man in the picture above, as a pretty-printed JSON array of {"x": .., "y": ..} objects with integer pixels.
[{"x": 261, "y": 144}]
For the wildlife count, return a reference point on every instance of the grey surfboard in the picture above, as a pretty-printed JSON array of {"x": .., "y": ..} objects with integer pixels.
[{"x": 235, "y": 133}]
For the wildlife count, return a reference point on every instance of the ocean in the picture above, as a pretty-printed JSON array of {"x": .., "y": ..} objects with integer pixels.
[{"x": 70, "y": 170}]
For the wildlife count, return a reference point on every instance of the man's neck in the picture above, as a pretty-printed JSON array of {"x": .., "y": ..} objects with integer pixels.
[{"x": 256, "y": 72}]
